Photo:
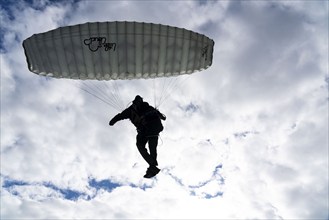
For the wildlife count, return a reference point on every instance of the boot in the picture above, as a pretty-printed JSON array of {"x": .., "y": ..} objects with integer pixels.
[{"x": 151, "y": 172}]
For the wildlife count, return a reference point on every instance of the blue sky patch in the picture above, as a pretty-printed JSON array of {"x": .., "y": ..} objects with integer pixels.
[
  {"x": 107, "y": 184},
  {"x": 67, "y": 193}
]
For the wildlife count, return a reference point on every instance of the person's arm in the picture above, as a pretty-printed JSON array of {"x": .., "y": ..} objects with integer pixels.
[
  {"x": 121, "y": 116},
  {"x": 152, "y": 112},
  {"x": 161, "y": 116}
]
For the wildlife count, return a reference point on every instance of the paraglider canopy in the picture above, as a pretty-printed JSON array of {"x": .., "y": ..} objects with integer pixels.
[{"x": 117, "y": 50}]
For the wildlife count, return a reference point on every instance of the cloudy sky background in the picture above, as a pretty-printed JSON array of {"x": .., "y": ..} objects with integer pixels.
[{"x": 246, "y": 138}]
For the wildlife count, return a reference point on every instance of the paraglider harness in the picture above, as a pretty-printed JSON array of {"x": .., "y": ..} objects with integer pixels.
[
  {"x": 146, "y": 118},
  {"x": 149, "y": 123}
]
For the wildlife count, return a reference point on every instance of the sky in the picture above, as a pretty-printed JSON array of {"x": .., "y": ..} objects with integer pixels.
[{"x": 246, "y": 138}]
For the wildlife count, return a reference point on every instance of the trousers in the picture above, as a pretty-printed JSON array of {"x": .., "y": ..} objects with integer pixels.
[{"x": 151, "y": 156}]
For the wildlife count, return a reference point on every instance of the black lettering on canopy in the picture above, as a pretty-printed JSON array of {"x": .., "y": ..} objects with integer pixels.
[{"x": 94, "y": 43}]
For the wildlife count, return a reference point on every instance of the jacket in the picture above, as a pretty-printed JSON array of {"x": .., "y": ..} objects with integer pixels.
[{"x": 146, "y": 119}]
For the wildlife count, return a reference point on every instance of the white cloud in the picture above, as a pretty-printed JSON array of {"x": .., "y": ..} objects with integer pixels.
[{"x": 246, "y": 138}]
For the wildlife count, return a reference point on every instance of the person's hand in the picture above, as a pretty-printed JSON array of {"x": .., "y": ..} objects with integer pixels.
[{"x": 112, "y": 122}]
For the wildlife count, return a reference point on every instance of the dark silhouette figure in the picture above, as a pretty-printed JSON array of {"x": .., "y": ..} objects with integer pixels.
[{"x": 147, "y": 120}]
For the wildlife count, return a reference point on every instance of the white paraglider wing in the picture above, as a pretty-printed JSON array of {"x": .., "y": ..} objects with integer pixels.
[{"x": 117, "y": 50}]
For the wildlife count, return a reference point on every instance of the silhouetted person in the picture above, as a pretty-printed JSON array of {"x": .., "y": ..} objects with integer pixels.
[{"x": 147, "y": 120}]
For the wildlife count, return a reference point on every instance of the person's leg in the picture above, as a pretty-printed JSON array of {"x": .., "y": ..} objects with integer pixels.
[
  {"x": 141, "y": 141},
  {"x": 153, "y": 143},
  {"x": 153, "y": 169}
]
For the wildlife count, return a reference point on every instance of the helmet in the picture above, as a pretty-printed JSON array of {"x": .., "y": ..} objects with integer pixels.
[{"x": 138, "y": 99}]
